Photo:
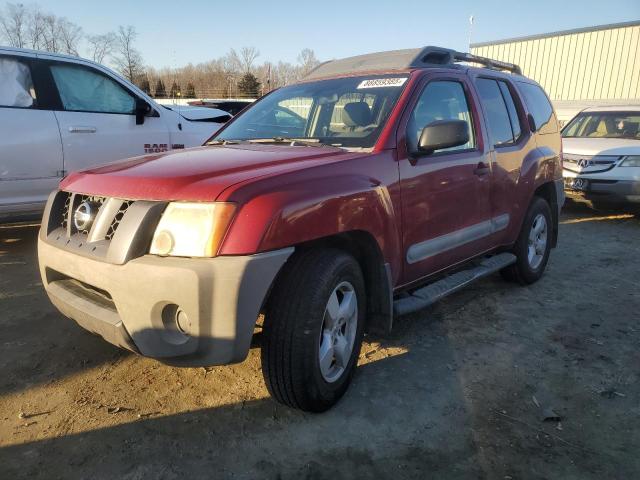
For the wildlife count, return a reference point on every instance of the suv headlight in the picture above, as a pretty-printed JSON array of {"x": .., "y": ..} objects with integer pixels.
[
  {"x": 631, "y": 161},
  {"x": 191, "y": 229}
]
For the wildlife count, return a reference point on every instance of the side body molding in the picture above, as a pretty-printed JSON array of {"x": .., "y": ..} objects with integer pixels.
[{"x": 435, "y": 246}]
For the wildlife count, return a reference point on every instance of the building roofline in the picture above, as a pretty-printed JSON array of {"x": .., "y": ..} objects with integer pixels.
[{"x": 595, "y": 28}]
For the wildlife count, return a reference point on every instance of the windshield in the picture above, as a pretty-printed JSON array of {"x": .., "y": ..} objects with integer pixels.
[
  {"x": 343, "y": 112},
  {"x": 604, "y": 125}
]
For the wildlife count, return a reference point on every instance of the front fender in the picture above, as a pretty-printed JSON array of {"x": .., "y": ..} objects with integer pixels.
[{"x": 312, "y": 208}]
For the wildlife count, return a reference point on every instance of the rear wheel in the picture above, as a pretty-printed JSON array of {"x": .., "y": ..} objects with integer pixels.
[
  {"x": 313, "y": 330},
  {"x": 533, "y": 245}
]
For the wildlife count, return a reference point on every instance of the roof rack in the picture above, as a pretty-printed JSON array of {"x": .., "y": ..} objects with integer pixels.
[
  {"x": 405, "y": 59},
  {"x": 430, "y": 56}
]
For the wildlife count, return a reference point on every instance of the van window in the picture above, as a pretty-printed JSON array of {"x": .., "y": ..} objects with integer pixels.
[
  {"x": 85, "y": 90},
  {"x": 440, "y": 100},
  {"x": 16, "y": 84},
  {"x": 539, "y": 106}
]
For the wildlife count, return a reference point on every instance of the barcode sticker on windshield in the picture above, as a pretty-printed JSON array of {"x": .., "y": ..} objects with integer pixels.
[{"x": 382, "y": 82}]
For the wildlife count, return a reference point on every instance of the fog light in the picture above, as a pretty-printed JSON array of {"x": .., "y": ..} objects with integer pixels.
[
  {"x": 176, "y": 324},
  {"x": 182, "y": 321}
]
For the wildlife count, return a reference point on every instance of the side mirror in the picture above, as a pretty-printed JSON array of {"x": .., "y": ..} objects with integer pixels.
[
  {"x": 442, "y": 134},
  {"x": 532, "y": 123},
  {"x": 142, "y": 110}
]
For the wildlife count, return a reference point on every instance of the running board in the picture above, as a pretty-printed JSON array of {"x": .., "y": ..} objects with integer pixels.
[{"x": 425, "y": 296}]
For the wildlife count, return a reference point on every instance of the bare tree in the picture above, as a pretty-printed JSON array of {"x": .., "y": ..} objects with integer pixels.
[
  {"x": 248, "y": 55},
  {"x": 128, "y": 60},
  {"x": 13, "y": 24},
  {"x": 24, "y": 27},
  {"x": 101, "y": 46},
  {"x": 36, "y": 30},
  {"x": 307, "y": 60},
  {"x": 231, "y": 62},
  {"x": 70, "y": 35}
]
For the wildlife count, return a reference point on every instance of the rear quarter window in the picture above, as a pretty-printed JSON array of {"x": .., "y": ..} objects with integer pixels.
[{"x": 539, "y": 106}]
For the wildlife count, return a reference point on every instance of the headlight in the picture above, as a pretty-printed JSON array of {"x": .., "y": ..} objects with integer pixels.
[
  {"x": 191, "y": 229},
  {"x": 631, "y": 161}
]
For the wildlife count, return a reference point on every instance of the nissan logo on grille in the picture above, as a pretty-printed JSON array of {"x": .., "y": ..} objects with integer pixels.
[{"x": 83, "y": 216}]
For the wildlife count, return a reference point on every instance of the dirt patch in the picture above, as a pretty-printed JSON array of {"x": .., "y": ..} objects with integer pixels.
[{"x": 459, "y": 390}]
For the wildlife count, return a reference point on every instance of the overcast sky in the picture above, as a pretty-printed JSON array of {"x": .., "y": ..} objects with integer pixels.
[{"x": 176, "y": 33}]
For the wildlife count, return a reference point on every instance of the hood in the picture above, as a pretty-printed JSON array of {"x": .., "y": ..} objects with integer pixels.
[
  {"x": 196, "y": 174},
  {"x": 200, "y": 114},
  {"x": 601, "y": 146}
]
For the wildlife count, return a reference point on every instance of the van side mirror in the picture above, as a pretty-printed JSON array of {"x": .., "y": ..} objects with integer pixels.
[
  {"x": 532, "y": 123},
  {"x": 142, "y": 110},
  {"x": 442, "y": 134}
]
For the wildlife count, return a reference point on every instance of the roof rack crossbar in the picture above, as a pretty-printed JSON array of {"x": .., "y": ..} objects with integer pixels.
[{"x": 432, "y": 56}]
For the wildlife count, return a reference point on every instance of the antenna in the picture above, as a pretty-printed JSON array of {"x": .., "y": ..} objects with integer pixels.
[{"x": 470, "y": 32}]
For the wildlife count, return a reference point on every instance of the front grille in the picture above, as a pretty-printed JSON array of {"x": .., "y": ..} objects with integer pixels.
[
  {"x": 117, "y": 219},
  {"x": 65, "y": 210},
  {"x": 588, "y": 163},
  {"x": 113, "y": 230},
  {"x": 96, "y": 203}
]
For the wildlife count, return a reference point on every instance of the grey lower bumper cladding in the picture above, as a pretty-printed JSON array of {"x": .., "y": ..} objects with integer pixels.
[
  {"x": 221, "y": 297},
  {"x": 621, "y": 190}
]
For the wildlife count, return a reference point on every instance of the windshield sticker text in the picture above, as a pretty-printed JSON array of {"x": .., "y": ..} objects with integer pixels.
[{"x": 382, "y": 82}]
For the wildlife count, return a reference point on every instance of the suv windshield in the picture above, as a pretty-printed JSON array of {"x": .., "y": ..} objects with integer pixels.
[
  {"x": 604, "y": 125},
  {"x": 343, "y": 112}
]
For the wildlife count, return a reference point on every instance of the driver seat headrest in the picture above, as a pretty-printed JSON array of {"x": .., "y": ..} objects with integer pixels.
[{"x": 356, "y": 114}]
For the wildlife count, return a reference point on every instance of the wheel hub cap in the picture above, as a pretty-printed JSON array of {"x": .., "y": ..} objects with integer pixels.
[
  {"x": 537, "y": 245},
  {"x": 338, "y": 332}
]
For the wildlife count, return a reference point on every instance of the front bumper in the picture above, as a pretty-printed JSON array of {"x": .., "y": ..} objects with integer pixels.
[
  {"x": 603, "y": 189},
  {"x": 184, "y": 311},
  {"x": 127, "y": 304}
]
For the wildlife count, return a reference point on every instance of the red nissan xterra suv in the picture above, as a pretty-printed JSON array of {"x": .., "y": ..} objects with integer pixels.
[{"x": 370, "y": 189}]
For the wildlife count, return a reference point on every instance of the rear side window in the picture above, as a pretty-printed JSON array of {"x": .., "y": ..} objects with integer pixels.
[
  {"x": 16, "y": 84},
  {"x": 84, "y": 90},
  {"x": 497, "y": 113},
  {"x": 539, "y": 106},
  {"x": 511, "y": 108}
]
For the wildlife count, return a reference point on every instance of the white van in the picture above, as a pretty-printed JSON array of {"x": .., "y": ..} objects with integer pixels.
[{"x": 60, "y": 113}]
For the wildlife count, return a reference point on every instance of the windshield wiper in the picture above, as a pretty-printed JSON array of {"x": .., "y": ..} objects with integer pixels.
[
  {"x": 294, "y": 142},
  {"x": 223, "y": 142}
]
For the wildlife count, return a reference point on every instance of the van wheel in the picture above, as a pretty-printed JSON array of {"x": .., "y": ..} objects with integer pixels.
[
  {"x": 313, "y": 329},
  {"x": 533, "y": 245}
]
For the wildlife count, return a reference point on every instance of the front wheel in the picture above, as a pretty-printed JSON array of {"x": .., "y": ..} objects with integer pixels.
[
  {"x": 313, "y": 329},
  {"x": 533, "y": 245}
]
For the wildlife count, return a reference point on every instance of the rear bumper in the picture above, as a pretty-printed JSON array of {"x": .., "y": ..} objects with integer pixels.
[{"x": 134, "y": 305}]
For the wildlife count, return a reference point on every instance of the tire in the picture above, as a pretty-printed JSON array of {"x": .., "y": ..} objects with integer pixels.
[
  {"x": 298, "y": 327},
  {"x": 530, "y": 265}
]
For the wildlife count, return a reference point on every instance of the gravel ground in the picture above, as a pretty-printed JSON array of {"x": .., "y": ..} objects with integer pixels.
[{"x": 497, "y": 381}]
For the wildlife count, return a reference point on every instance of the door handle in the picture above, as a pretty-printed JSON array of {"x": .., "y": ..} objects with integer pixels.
[
  {"x": 481, "y": 169},
  {"x": 82, "y": 129}
]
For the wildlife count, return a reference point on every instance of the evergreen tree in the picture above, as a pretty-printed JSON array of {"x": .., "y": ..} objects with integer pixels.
[
  {"x": 249, "y": 85},
  {"x": 191, "y": 91},
  {"x": 161, "y": 92},
  {"x": 175, "y": 90}
]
